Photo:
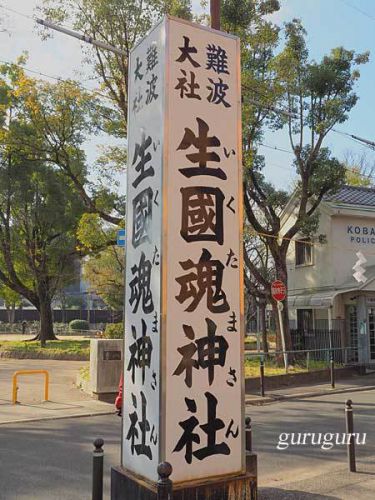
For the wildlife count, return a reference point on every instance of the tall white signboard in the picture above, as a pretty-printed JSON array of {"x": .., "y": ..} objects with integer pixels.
[{"x": 183, "y": 372}]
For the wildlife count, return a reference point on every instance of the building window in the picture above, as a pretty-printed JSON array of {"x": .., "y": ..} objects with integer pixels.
[
  {"x": 303, "y": 252},
  {"x": 305, "y": 320}
]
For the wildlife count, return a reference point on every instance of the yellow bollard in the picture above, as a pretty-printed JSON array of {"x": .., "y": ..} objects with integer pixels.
[{"x": 30, "y": 372}]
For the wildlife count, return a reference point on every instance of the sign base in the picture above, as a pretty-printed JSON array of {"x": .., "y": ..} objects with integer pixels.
[{"x": 126, "y": 484}]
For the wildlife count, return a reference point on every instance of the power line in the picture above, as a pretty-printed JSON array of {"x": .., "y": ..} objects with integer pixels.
[
  {"x": 276, "y": 148},
  {"x": 354, "y": 7},
  {"x": 57, "y": 78},
  {"x": 14, "y": 11}
]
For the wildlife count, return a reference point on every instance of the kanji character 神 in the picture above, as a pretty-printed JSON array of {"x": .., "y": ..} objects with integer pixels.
[
  {"x": 211, "y": 351},
  {"x": 140, "y": 353}
]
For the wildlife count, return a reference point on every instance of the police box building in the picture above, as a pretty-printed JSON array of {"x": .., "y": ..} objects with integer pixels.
[{"x": 324, "y": 297}]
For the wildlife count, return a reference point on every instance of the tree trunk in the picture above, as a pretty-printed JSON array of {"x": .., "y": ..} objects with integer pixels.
[
  {"x": 282, "y": 274},
  {"x": 46, "y": 322}
]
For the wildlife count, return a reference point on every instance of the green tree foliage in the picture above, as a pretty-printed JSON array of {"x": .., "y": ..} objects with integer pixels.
[
  {"x": 315, "y": 96},
  {"x": 11, "y": 300},
  {"x": 41, "y": 126},
  {"x": 359, "y": 170},
  {"x": 114, "y": 331},
  {"x": 105, "y": 274}
]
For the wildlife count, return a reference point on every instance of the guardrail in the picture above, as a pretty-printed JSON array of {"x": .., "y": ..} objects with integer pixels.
[{"x": 29, "y": 372}]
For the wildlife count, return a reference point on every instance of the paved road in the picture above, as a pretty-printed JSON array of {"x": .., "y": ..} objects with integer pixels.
[{"x": 52, "y": 459}]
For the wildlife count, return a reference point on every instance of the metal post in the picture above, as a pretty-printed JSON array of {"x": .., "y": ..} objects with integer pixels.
[
  {"x": 332, "y": 369},
  {"x": 97, "y": 470},
  {"x": 165, "y": 485},
  {"x": 248, "y": 434},
  {"x": 286, "y": 362},
  {"x": 308, "y": 360},
  {"x": 349, "y": 433},
  {"x": 261, "y": 371},
  {"x": 215, "y": 14},
  {"x": 280, "y": 307}
]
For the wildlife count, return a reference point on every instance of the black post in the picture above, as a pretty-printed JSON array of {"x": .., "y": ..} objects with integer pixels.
[
  {"x": 261, "y": 370},
  {"x": 97, "y": 470},
  {"x": 332, "y": 368},
  {"x": 349, "y": 433},
  {"x": 165, "y": 485},
  {"x": 248, "y": 440}
]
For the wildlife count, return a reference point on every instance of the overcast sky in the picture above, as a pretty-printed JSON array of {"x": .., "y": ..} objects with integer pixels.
[{"x": 329, "y": 23}]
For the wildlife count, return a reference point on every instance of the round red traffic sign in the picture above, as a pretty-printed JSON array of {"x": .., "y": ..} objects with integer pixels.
[{"x": 278, "y": 290}]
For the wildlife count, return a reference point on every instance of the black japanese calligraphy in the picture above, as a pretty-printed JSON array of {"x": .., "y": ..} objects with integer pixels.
[
  {"x": 140, "y": 151},
  {"x": 229, "y": 205},
  {"x": 186, "y": 52},
  {"x": 140, "y": 353},
  {"x": 210, "y": 351},
  {"x": 151, "y": 89},
  {"x": 154, "y": 382},
  {"x": 144, "y": 427},
  {"x": 155, "y": 323},
  {"x": 202, "y": 214},
  {"x": 152, "y": 57},
  {"x": 205, "y": 278},
  {"x": 137, "y": 73},
  {"x": 232, "y": 377},
  {"x": 229, "y": 431},
  {"x": 228, "y": 153},
  {"x": 156, "y": 257},
  {"x": 140, "y": 286},
  {"x": 201, "y": 142},
  {"x": 188, "y": 88},
  {"x": 232, "y": 260},
  {"x": 142, "y": 217},
  {"x": 210, "y": 428},
  {"x": 137, "y": 102},
  {"x": 217, "y": 59},
  {"x": 218, "y": 92},
  {"x": 232, "y": 323}
]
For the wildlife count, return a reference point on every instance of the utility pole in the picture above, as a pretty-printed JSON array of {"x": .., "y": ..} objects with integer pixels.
[
  {"x": 80, "y": 36},
  {"x": 215, "y": 14}
]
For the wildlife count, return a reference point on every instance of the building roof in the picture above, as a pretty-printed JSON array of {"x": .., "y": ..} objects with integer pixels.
[{"x": 354, "y": 195}]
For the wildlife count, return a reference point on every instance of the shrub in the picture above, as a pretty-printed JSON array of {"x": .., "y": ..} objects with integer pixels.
[
  {"x": 114, "y": 331},
  {"x": 79, "y": 324}
]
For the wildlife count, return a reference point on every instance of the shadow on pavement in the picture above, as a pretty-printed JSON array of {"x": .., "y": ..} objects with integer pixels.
[{"x": 280, "y": 494}]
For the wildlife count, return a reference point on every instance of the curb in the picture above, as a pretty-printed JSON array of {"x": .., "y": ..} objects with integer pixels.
[
  {"x": 286, "y": 397},
  {"x": 58, "y": 417},
  {"x": 21, "y": 355}
]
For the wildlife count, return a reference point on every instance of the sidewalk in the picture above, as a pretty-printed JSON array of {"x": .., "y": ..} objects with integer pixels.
[
  {"x": 359, "y": 383},
  {"x": 334, "y": 484},
  {"x": 65, "y": 399}
]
